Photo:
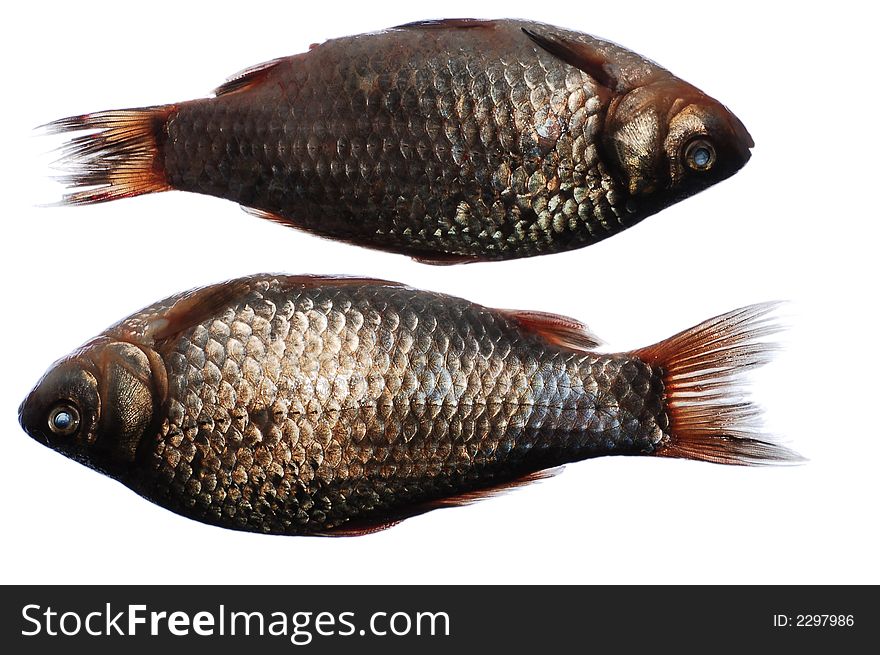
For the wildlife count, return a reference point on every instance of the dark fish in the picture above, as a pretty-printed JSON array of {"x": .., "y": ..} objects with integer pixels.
[
  {"x": 334, "y": 406},
  {"x": 449, "y": 141}
]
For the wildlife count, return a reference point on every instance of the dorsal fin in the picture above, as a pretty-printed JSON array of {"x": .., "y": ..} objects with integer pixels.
[
  {"x": 579, "y": 55},
  {"x": 469, "y": 497},
  {"x": 360, "y": 528},
  {"x": 247, "y": 78},
  {"x": 368, "y": 526},
  {"x": 444, "y": 259},
  {"x": 447, "y": 23},
  {"x": 420, "y": 256},
  {"x": 559, "y": 330}
]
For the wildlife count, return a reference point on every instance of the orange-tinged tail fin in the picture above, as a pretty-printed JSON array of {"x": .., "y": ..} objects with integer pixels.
[
  {"x": 119, "y": 158},
  {"x": 709, "y": 417}
]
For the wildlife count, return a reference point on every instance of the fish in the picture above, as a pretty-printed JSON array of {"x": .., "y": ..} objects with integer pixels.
[
  {"x": 449, "y": 141},
  {"x": 332, "y": 406}
]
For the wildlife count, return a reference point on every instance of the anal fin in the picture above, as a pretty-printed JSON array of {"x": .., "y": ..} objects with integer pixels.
[
  {"x": 556, "y": 329},
  {"x": 248, "y": 78},
  {"x": 269, "y": 216}
]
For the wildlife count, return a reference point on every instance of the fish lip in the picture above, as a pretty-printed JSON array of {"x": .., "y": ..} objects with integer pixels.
[
  {"x": 28, "y": 424},
  {"x": 31, "y": 430},
  {"x": 746, "y": 152},
  {"x": 22, "y": 410},
  {"x": 743, "y": 139}
]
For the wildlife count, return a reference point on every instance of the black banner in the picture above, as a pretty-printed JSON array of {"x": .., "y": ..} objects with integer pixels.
[{"x": 434, "y": 619}]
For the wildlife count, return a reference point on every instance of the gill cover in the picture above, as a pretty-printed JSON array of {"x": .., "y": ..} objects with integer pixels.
[
  {"x": 128, "y": 392},
  {"x": 635, "y": 129}
]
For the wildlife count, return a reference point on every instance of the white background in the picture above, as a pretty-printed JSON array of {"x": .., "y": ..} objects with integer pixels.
[{"x": 799, "y": 222}]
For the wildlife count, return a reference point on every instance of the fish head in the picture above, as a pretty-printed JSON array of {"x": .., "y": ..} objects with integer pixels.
[
  {"x": 669, "y": 140},
  {"x": 94, "y": 405}
]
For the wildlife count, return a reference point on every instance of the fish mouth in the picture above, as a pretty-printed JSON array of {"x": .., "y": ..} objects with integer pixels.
[
  {"x": 26, "y": 420},
  {"x": 743, "y": 139},
  {"x": 23, "y": 414}
]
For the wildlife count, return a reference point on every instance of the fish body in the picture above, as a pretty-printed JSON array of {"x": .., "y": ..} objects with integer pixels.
[
  {"x": 299, "y": 405},
  {"x": 450, "y": 141}
]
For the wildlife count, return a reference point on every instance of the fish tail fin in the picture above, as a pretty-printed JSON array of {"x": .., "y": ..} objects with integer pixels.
[
  {"x": 710, "y": 418},
  {"x": 120, "y": 157}
]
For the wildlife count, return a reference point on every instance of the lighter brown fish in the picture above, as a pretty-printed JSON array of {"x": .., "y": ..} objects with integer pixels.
[
  {"x": 450, "y": 141},
  {"x": 334, "y": 406}
]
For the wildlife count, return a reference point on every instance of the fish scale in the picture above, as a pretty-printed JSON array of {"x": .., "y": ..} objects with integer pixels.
[
  {"x": 460, "y": 139},
  {"x": 331, "y": 436}
]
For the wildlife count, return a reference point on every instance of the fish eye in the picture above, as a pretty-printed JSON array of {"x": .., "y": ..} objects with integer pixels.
[
  {"x": 700, "y": 155},
  {"x": 64, "y": 419}
]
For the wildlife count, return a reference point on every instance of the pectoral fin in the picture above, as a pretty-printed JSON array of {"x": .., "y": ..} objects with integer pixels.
[
  {"x": 201, "y": 305},
  {"x": 580, "y": 55}
]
